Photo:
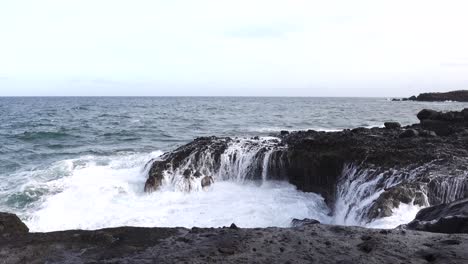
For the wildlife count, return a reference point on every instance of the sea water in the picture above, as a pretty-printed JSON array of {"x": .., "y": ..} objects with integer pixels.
[{"x": 72, "y": 162}]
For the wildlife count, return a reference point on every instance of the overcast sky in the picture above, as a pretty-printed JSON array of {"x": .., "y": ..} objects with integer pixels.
[{"x": 254, "y": 47}]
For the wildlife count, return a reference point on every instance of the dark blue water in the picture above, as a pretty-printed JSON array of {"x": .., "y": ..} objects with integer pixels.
[{"x": 46, "y": 141}]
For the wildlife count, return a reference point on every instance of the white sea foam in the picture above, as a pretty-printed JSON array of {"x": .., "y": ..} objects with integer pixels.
[
  {"x": 100, "y": 194},
  {"x": 403, "y": 214}
]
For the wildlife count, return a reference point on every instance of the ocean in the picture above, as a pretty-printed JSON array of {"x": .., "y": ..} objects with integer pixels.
[{"x": 79, "y": 162}]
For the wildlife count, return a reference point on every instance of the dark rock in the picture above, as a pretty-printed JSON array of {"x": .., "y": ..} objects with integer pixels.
[
  {"x": 216, "y": 245},
  {"x": 391, "y": 198},
  {"x": 11, "y": 224},
  {"x": 444, "y": 218},
  {"x": 428, "y": 114},
  {"x": 206, "y": 181},
  {"x": 392, "y": 125},
  {"x": 306, "y": 221},
  {"x": 174, "y": 159},
  {"x": 233, "y": 226},
  {"x": 284, "y": 132},
  {"x": 366, "y": 246},
  {"x": 409, "y": 133},
  {"x": 456, "y": 96}
]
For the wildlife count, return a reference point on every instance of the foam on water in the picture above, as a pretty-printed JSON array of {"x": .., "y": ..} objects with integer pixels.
[
  {"x": 101, "y": 193},
  {"x": 403, "y": 214}
]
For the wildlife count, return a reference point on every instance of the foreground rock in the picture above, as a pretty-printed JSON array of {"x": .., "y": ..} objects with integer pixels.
[
  {"x": 456, "y": 96},
  {"x": 423, "y": 164},
  {"x": 307, "y": 244},
  {"x": 11, "y": 224},
  {"x": 444, "y": 218}
]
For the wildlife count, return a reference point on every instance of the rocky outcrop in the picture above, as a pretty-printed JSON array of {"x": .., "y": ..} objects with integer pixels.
[
  {"x": 444, "y": 124},
  {"x": 11, "y": 224},
  {"x": 420, "y": 164},
  {"x": 308, "y": 243},
  {"x": 188, "y": 160},
  {"x": 455, "y": 96},
  {"x": 444, "y": 218}
]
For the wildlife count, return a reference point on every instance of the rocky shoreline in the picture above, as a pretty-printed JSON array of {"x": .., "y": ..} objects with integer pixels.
[{"x": 311, "y": 243}]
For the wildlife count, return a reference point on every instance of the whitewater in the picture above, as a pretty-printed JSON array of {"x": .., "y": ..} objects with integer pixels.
[
  {"x": 107, "y": 192},
  {"x": 81, "y": 163}
]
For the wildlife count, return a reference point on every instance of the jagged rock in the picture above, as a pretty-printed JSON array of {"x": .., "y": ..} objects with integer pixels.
[
  {"x": 392, "y": 198},
  {"x": 306, "y": 221},
  {"x": 444, "y": 218},
  {"x": 11, "y": 224},
  {"x": 173, "y": 160},
  {"x": 443, "y": 124},
  {"x": 392, "y": 125}
]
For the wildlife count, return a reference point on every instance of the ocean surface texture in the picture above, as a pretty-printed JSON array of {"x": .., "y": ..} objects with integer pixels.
[{"x": 70, "y": 163}]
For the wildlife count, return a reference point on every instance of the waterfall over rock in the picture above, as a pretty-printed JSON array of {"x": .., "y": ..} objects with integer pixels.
[{"x": 363, "y": 174}]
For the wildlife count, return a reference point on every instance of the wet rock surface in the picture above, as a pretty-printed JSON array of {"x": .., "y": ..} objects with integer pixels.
[
  {"x": 306, "y": 244},
  {"x": 444, "y": 218}
]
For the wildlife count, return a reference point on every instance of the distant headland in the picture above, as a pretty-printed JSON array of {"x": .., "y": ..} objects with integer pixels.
[{"x": 456, "y": 96}]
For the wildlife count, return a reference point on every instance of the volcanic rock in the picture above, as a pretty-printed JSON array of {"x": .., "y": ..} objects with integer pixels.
[
  {"x": 444, "y": 218},
  {"x": 306, "y": 221},
  {"x": 456, "y": 96},
  {"x": 308, "y": 244},
  {"x": 392, "y": 125},
  {"x": 11, "y": 224}
]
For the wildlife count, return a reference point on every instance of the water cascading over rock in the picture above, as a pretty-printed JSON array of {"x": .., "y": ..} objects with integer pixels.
[
  {"x": 213, "y": 159},
  {"x": 363, "y": 174}
]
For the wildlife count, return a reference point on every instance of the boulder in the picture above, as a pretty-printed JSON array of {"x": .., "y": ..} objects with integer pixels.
[
  {"x": 392, "y": 125},
  {"x": 427, "y": 114},
  {"x": 448, "y": 218},
  {"x": 11, "y": 224}
]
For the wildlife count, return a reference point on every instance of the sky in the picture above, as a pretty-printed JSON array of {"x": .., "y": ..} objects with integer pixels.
[{"x": 232, "y": 48}]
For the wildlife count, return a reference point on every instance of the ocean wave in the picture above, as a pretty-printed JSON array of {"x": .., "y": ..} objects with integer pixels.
[
  {"x": 41, "y": 135},
  {"x": 110, "y": 194}
]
